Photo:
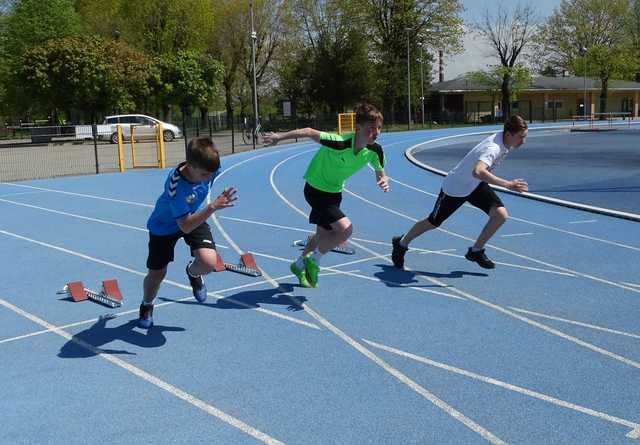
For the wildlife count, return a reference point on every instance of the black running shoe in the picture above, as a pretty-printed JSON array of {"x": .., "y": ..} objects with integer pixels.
[
  {"x": 145, "y": 320},
  {"x": 480, "y": 258},
  {"x": 398, "y": 251}
]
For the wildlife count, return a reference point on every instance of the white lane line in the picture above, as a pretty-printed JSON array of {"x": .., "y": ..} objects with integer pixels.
[
  {"x": 448, "y": 409},
  {"x": 586, "y": 221},
  {"x": 517, "y": 266},
  {"x": 527, "y": 392},
  {"x": 533, "y": 223},
  {"x": 171, "y": 389},
  {"x": 577, "y": 323},
  {"x": 366, "y": 277},
  {"x": 8, "y": 195},
  {"x": 483, "y": 302},
  {"x": 499, "y": 249},
  {"x": 631, "y": 284},
  {"x": 509, "y": 235},
  {"x": 172, "y": 283},
  {"x": 295, "y": 229},
  {"x": 167, "y": 303},
  {"x": 73, "y": 215}
]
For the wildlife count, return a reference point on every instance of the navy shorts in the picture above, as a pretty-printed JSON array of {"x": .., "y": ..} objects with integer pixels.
[
  {"x": 483, "y": 197},
  {"x": 161, "y": 247},
  {"x": 325, "y": 206}
]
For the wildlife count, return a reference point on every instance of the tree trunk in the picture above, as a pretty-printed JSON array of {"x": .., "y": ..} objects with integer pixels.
[
  {"x": 506, "y": 97},
  {"x": 604, "y": 82}
]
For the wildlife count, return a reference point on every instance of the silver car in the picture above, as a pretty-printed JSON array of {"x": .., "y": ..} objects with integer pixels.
[{"x": 145, "y": 127}]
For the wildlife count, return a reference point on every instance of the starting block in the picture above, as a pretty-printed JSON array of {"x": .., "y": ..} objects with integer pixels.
[
  {"x": 110, "y": 294},
  {"x": 342, "y": 248},
  {"x": 246, "y": 266}
]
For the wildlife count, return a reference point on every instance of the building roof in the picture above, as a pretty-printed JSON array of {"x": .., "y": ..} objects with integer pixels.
[{"x": 539, "y": 83}]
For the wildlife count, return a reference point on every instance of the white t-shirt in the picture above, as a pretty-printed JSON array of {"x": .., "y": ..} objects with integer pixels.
[{"x": 460, "y": 181}]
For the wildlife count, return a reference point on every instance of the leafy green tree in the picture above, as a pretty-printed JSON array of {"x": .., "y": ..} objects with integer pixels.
[
  {"x": 32, "y": 22},
  {"x": 155, "y": 26},
  {"x": 188, "y": 79},
  {"x": 391, "y": 26},
  {"x": 602, "y": 28},
  {"x": 85, "y": 74},
  {"x": 25, "y": 24},
  {"x": 493, "y": 79}
]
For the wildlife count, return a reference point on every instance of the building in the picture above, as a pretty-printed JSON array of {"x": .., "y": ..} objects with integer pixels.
[{"x": 546, "y": 99}]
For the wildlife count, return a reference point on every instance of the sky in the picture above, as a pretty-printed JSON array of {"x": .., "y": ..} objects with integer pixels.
[{"x": 477, "y": 54}]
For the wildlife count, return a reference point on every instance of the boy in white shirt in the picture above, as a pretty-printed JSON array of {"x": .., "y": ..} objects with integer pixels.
[{"x": 469, "y": 182}]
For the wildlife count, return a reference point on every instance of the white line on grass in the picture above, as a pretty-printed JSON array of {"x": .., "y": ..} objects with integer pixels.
[
  {"x": 527, "y": 392},
  {"x": 171, "y": 389}
]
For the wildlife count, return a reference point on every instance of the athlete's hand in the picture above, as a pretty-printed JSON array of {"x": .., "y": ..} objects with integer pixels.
[
  {"x": 269, "y": 139},
  {"x": 224, "y": 199},
  {"x": 518, "y": 185},
  {"x": 383, "y": 183}
]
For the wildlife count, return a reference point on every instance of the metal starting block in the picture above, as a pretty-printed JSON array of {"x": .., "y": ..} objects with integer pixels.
[
  {"x": 246, "y": 266},
  {"x": 342, "y": 248},
  {"x": 110, "y": 294}
]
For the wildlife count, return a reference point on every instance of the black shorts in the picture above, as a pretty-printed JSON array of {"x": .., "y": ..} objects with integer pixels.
[
  {"x": 161, "y": 247},
  {"x": 325, "y": 206},
  {"x": 483, "y": 197}
]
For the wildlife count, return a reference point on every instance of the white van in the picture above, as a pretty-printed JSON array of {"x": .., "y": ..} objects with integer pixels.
[{"x": 145, "y": 127}]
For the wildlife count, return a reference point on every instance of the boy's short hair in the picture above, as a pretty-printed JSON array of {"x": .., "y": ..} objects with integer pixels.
[
  {"x": 202, "y": 153},
  {"x": 515, "y": 124},
  {"x": 366, "y": 113}
]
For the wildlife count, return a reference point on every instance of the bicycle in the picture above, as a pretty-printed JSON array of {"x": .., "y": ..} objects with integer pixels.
[{"x": 248, "y": 133}]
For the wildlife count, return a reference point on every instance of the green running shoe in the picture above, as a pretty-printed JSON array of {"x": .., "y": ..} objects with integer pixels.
[
  {"x": 312, "y": 270},
  {"x": 301, "y": 274}
]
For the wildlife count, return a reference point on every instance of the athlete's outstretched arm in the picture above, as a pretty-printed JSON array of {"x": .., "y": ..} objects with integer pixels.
[
  {"x": 482, "y": 172},
  {"x": 382, "y": 180},
  {"x": 273, "y": 138}
]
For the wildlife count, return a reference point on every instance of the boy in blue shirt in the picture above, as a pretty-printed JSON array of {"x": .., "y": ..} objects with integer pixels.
[{"x": 181, "y": 212}]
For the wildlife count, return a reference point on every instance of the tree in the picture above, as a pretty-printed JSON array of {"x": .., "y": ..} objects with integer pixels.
[
  {"x": 509, "y": 32},
  {"x": 25, "y": 24},
  {"x": 86, "y": 74},
  {"x": 519, "y": 78},
  {"x": 188, "y": 79},
  {"x": 602, "y": 28},
  {"x": 155, "y": 26},
  {"x": 388, "y": 26}
]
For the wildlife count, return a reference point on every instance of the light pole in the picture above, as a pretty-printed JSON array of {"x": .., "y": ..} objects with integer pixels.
[
  {"x": 421, "y": 45},
  {"x": 254, "y": 37},
  {"x": 583, "y": 50},
  {"x": 408, "y": 83}
]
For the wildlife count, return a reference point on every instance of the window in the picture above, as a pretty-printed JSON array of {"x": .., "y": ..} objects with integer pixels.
[
  {"x": 554, "y": 104},
  {"x": 111, "y": 120},
  {"x": 128, "y": 120}
]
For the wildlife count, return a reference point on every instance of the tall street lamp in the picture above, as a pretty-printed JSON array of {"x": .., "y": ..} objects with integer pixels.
[
  {"x": 254, "y": 37},
  {"x": 421, "y": 45},
  {"x": 408, "y": 82},
  {"x": 583, "y": 50}
]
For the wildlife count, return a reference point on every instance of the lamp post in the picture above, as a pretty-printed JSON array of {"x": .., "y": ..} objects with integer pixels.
[
  {"x": 254, "y": 37},
  {"x": 408, "y": 83},
  {"x": 421, "y": 45},
  {"x": 583, "y": 50}
]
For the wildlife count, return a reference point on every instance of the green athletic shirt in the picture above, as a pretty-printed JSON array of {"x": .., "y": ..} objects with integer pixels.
[{"x": 335, "y": 161}]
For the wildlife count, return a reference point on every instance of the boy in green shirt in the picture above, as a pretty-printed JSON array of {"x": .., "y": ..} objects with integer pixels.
[{"x": 339, "y": 157}]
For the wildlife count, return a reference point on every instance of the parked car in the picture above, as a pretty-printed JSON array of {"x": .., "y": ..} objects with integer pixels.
[{"x": 145, "y": 127}]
